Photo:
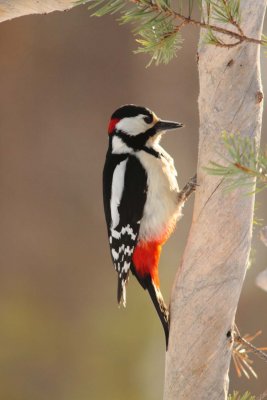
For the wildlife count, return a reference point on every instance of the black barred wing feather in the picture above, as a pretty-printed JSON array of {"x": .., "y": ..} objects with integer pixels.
[
  {"x": 122, "y": 243},
  {"x": 125, "y": 187}
]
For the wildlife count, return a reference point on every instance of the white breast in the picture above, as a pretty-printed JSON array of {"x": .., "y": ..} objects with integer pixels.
[{"x": 161, "y": 210}]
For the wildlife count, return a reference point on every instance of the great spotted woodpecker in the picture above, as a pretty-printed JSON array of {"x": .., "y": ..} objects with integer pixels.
[{"x": 142, "y": 200}]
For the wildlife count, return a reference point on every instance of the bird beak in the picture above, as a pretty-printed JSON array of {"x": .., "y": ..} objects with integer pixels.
[{"x": 167, "y": 125}]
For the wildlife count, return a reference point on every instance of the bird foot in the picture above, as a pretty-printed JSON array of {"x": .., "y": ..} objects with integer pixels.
[{"x": 188, "y": 189}]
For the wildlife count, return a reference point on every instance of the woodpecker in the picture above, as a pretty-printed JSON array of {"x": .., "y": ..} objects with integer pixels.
[{"x": 142, "y": 201}]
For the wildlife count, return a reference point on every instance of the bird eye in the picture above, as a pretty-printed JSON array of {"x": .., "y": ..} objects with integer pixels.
[{"x": 148, "y": 119}]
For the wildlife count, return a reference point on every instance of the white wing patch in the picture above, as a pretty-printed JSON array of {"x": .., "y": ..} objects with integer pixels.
[{"x": 116, "y": 192}]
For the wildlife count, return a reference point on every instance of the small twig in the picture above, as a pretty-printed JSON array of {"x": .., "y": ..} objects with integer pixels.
[
  {"x": 238, "y": 27},
  {"x": 228, "y": 45},
  {"x": 251, "y": 172},
  {"x": 261, "y": 354},
  {"x": 239, "y": 339},
  {"x": 233, "y": 21},
  {"x": 218, "y": 29},
  {"x": 244, "y": 169},
  {"x": 179, "y": 27}
]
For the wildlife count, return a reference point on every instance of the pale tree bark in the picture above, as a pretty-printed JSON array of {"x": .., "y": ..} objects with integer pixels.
[
  {"x": 209, "y": 281},
  {"x": 10, "y": 9}
]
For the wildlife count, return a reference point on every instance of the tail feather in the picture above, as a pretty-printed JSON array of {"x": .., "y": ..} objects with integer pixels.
[
  {"x": 160, "y": 306},
  {"x": 158, "y": 301}
]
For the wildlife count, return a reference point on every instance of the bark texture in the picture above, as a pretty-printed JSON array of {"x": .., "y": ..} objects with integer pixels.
[
  {"x": 10, "y": 9},
  {"x": 209, "y": 281}
]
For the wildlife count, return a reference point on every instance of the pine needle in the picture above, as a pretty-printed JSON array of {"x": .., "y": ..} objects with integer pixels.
[{"x": 243, "y": 163}]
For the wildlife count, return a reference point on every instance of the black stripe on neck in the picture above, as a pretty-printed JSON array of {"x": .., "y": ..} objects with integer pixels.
[
  {"x": 139, "y": 142},
  {"x": 151, "y": 151},
  {"x": 136, "y": 142}
]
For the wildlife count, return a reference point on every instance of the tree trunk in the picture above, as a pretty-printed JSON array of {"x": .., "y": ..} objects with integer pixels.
[
  {"x": 10, "y": 9},
  {"x": 208, "y": 283}
]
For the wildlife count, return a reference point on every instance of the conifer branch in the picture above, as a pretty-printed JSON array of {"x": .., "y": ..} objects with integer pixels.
[
  {"x": 257, "y": 351},
  {"x": 156, "y": 23},
  {"x": 242, "y": 347},
  {"x": 189, "y": 20},
  {"x": 243, "y": 164}
]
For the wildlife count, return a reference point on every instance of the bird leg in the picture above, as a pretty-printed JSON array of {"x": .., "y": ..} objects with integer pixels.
[{"x": 188, "y": 189}]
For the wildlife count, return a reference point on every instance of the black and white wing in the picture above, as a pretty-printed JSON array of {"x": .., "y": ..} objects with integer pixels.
[{"x": 124, "y": 190}]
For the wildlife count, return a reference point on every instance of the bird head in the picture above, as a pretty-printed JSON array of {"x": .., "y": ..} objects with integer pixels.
[{"x": 134, "y": 127}]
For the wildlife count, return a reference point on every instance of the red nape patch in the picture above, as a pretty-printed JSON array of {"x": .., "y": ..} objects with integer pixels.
[
  {"x": 146, "y": 258},
  {"x": 112, "y": 124}
]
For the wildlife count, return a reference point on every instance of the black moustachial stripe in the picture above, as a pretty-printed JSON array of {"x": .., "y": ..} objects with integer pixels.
[{"x": 136, "y": 142}]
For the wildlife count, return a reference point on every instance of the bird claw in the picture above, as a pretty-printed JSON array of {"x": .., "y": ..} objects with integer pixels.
[
  {"x": 188, "y": 189},
  {"x": 193, "y": 182}
]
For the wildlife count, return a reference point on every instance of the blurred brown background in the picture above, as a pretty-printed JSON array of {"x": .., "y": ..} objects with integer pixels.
[{"x": 61, "y": 333}]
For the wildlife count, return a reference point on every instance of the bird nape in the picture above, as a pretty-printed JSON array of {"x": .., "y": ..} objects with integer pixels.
[{"x": 142, "y": 201}]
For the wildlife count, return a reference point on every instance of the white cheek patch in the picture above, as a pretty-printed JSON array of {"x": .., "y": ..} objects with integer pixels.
[{"x": 133, "y": 125}]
